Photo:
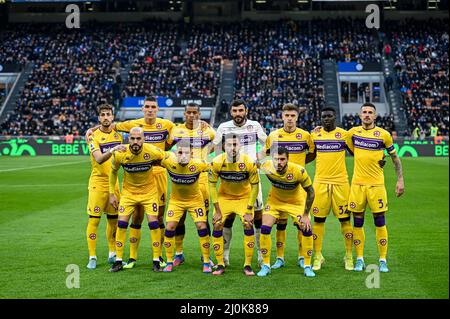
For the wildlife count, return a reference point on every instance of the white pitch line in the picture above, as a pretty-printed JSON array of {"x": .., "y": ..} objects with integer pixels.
[
  {"x": 41, "y": 185},
  {"x": 40, "y": 166}
]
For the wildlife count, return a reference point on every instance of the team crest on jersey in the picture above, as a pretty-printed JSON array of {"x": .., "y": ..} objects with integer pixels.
[
  {"x": 250, "y": 127},
  {"x": 121, "y": 209},
  {"x": 289, "y": 177},
  {"x": 216, "y": 247},
  {"x": 251, "y": 244},
  {"x": 97, "y": 209},
  {"x": 264, "y": 251},
  {"x": 192, "y": 168},
  {"x": 315, "y": 210},
  {"x": 338, "y": 135},
  {"x": 241, "y": 166},
  {"x": 119, "y": 244},
  {"x": 383, "y": 242},
  {"x": 357, "y": 242},
  {"x": 158, "y": 126},
  {"x": 92, "y": 236},
  {"x": 376, "y": 133},
  {"x": 170, "y": 213},
  {"x": 298, "y": 136},
  {"x": 133, "y": 240},
  {"x": 146, "y": 156},
  {"x": 199, "y": 132}
]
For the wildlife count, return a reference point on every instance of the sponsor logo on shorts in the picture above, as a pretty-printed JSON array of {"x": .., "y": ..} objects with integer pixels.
[
  {"x": 352, "y": 205},
  {"x": 289, "y": 177},
  {"x": 121, "y": 209},
  {"x": 206, "y": 245},
  {"x": 376, "y": 133},
  {"x": 309, "y": 252},
  {"x": 357, "y": 242},
  {"x": 192, "y": 168},
  {"x": 349, "y": 235},
  {"x": 315, "y": 210},
  {"x": 116, "y": 135},
  {"x": 170, "y": 213},
  {"x": 298, "y": 136},
  {"x": 155, "y": 244},
  {"x": 119, "y": 244},
  {"x": 241, "y": 166},
  {"x": 167, "y": 244},
  {"x": 93, "y": 236},
  {"x": 303, "y": 171},
  {"x": 146, "y": 156},
  {"x": 338, "y": 135},
  {"x": 383, "y": 242},
  {"x": 279, "y": 244},
  {"x": 133, "y": 240},
  {"x": 264, "y": 251},
  {"x": 158, "y": 125},
  {"x": 251, "y": 244},
  {"x": 97, "y": 209},
  {"x": 216, "y": 247}
]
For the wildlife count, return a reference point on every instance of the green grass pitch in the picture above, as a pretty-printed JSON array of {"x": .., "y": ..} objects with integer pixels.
[{"x": 43, "y": 219}]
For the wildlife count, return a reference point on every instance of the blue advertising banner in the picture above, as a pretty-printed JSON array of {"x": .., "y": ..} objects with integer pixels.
[{"x": 138, "y": 101}]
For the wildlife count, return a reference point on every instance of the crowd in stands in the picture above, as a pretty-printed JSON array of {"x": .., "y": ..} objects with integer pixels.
[
  {"x": 420, "y": 52},
  {"x": 277, "y": 62}
]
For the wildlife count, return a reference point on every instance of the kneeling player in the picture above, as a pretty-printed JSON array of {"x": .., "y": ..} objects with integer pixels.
[
  {"x": 138, "y": 190},
  {"x": 186, "y": 196},
  {"x": 286, "y": 198},
  {"x": 239, "y": 185}
]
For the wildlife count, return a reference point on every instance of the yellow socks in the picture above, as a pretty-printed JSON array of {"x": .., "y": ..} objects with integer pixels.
[
  {"x": 155, "y": 238},
  {"x": 266, "y": 243},
  {"x": 280, "y": 237},
  {"x": 121, "y": 235},
  {"x": 169, "y": 245},
  {"x": 91, "y": 234},
  {"x": 135, "y": 238},
  {"x": 249, "y": 245},
  {"x": 218, "y": 246},
  {"x": 204, "y": 244}
]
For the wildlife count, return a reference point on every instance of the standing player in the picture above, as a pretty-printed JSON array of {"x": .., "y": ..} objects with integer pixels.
[
  {"x": 200, "y": 138},
  {"x": 368, "y": 143},
  {"x": 331, "y": 185},
  {"x": 102, "y": 144},
  {"x": 138, "y": 189},
  {"x": 184, "y": 172},
  {"x": 298, "y": 142},
  {"x": 249, "y": 132},
  {"x": 285, "y": 199},
  {"x": 239, "y": 186}
]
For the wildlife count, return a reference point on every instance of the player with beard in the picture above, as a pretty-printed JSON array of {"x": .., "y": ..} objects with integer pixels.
[{"x": 250, "y": 132}]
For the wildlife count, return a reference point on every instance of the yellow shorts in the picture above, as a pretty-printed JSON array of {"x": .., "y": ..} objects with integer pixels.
[
  {"x": 282, "y": 210},
  {"x": 129, "y": 203},
  {"x": 204, "y": 188},
  {"x": 98, "y": 203},
  {"x": 362, "y": 195},
  {"x": 161, "y": 186},
  {"x": 330, "y": 196},
  {"x": 177, "y": 208},
  {"x": 233, "y": 206}
]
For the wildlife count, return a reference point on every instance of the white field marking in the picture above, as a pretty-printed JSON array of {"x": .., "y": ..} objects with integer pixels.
[
  {"x": 40, "y": 185},
  {"x": 40, "y": 166}
]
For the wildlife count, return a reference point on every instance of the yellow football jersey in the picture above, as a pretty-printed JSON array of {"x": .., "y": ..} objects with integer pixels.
[
  {"x": 137, "y": 177},
  {"x": 368, "y": 147},
  {"x": 198, "y": 138},
  {"x": 100, "y": 172},
  {"x": 287, "y": 188},
  {"x": 235, "y": 178},
  {"x": 156, "y": 134},
  {"x": 297, "y": 143},
  {"x": 330, "y": 159},
  {"x": 184, "y": 178}
]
